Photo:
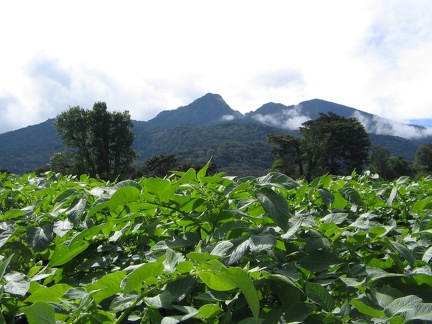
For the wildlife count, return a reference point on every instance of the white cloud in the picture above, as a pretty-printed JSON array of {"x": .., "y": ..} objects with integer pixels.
[
  {"x": 383, "y": 126},
  {"x": 290, "y": 119},
  {"x": 149, "y": 56},
  {"x": 228, "y": 117}
]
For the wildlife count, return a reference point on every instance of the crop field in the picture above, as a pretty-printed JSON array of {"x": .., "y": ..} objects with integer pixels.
[{"x": 192, "y": 248}]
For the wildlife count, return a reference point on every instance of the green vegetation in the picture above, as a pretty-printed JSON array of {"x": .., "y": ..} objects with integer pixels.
[
  {"x": 99, "y": 142},
  {"x": 329, "y": 144},
  {"x": 195, "y": 248}
]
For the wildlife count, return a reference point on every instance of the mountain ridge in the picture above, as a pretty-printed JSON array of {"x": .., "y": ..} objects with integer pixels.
[{"x": 198, "y": 132}]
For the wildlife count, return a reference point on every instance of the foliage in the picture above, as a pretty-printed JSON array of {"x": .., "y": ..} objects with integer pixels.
[
  {"x": 160, "y": 165},
  {"x": 387, "y": 166},
  {"x": 100, "y": 141},
  {"x": 423, "y": 159},
  {"x": 195, "y": 248},
  {"x": 330, "y": 144},
  {"x": 380, "y": 157}
]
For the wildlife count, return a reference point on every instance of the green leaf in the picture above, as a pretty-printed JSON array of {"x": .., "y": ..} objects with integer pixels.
[
  {"x": 16, "y": 283},
  {"x": 286, "y": 290},
  {"x": 202, "y": 257},
  {"x": 63, "y": 253},
  {"x": 39, "y": 238},
  {"x": 319, "y": 260},
  {"x": 363, "y": 308},
  {"x": 107, "y": 286},
  {"x": 159, "y": 187},
  {"x": 4, "y": 265},
  {"x": 181, "y": 288},
  {"x": 62, "y": 227},
  {"x": 217, "y": 280},
  {"x": 261, "y": 243},
  {"x": 404, "y": 252},
  {"x": 171, "y": 261},
  {"x": 402, "y": 304},
  {"x": 99, "y": 204},
  {"x": 48, "y": 294},
  {"x": 392, "y": 196},
  {"x": 163, "y": 300},
  {"x": 75, "y": 213},
  {"x": 275, "y": 205},
  {"x": 246, "y": 285},
  {"x": 122, "y": 196},
  {"x": 326, "y": 196},
  {"x": 5, "y": 235},
  {"x": 202, "y": 173},
  {"x": 297, "y": 312},
  {"x": 320, "y": 295},
  {"x": 276, "y": 179},
  {"x": 40, "y": 313},
  {"x": 127, "y": 183},
  {"x": 353, "y": 196},
  {"x": 209, "y": 310},
  {"x": 422, "y": 312},
  {"x": 135, "y": 279}
]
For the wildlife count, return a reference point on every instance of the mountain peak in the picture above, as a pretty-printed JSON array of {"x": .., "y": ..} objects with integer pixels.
[{"x": 207, "y": 109}]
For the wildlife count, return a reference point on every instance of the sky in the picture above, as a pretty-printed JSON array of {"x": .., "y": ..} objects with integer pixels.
[{"x": 149, "y": 56}]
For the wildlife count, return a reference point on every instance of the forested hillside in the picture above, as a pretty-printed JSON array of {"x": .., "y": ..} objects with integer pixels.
[{"x": 206, "y": 128}]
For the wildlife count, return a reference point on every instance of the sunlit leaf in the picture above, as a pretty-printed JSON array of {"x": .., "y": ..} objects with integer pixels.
[
  {"x": 135, "y": 279},
  {"x": 16, "y": 283},
  {"x": 40, "y": 313},
  {"x": 39, "y": 237}
]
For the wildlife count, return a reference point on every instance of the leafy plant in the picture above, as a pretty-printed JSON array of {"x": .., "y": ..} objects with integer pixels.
[{"x": 195, "y": 248}]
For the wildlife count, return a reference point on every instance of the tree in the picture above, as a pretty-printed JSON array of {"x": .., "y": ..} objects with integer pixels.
[
  {"x": 380, "y": 161},
  {"x": 288, "y": 152},
  {"x": 335, "y": 144},
  {"x": 161, "y": 165},
  {"x": 423, "y": 159},
  {"x": 329, "y": 144},
  {"x": 99, "y": 141},
  {"x": 399, "y": 167}
]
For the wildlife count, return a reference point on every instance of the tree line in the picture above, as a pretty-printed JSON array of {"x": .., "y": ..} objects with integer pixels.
[
  {"x": 337, "y": 145},
  {"x": 98, "y": 142}
]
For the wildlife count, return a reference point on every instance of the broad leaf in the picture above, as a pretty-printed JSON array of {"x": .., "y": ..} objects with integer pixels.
[
  {"x": 122, "y": 196},
  {"x": 319, "y": 260},
  {"x": 63, "y": 253},
  {"x": 39, "y": 237},
  {"x": 107, "y": 286},
  {"x": 48, "y": 294},
  {"x": 275, "y": 205},
  {"x": 40, "y": 313},
  {"x": 135, "y": 279},
  {"x": 326, "y": 196},
  {"x": 16, "y": 283},
  {"x": 320, "y": 295},
  {"x": 402, "y": 304},
  {"x": 364, "y": 308},
  {"x": 62, "y": 227},
  {"x": 76, "y": 212}
]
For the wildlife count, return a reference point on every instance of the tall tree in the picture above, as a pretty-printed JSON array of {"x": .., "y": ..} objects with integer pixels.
[
  {"x": 100, "y": 141},
  {"x": 335, "y": 144},
  {"x": 329, "y": 144}
]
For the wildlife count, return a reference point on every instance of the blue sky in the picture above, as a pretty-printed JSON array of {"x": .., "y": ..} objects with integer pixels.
[{"x": 148, "y": 56}]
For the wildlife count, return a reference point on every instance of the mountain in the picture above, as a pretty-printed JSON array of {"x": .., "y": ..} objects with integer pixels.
[
  {"x": 209, "y": 128},
  {"x": 209, "y": 109}
]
